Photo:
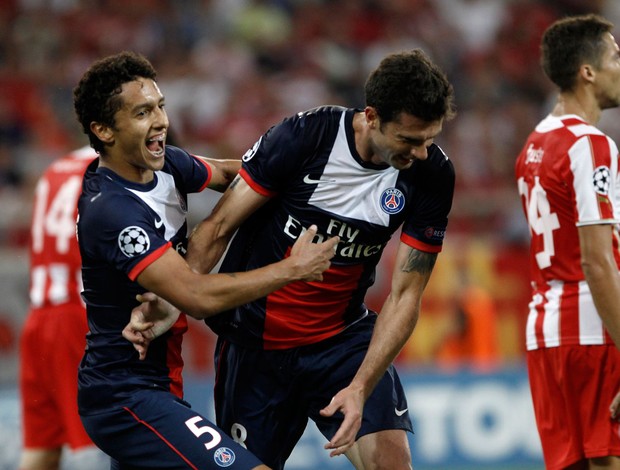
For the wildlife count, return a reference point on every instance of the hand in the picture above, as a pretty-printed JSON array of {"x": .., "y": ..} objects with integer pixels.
[
  {"x": 313, "y": 259},
  {"x": 149, "y": 320},
  {"x": 614, "y": 408},
  {"x": 350, "y": 402}
]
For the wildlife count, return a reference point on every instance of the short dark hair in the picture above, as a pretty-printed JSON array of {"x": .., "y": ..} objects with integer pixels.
[
  {"x": 571, "y": 42},
  {"x": 409, "y": 82},
  {"x": 96, "y": 97}
]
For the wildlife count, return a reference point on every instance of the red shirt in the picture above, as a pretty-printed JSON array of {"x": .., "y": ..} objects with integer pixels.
[{"x": 567, "y": 175}]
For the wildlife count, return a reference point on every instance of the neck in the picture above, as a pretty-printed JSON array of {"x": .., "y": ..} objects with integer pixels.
[
  {"x": 362, "y": 143},
  {"x": 580, "y": 104},
  {"x": 127, "y": 171}
]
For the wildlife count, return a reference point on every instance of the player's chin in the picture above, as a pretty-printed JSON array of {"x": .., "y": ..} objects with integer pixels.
[{"x": 155, "y": 160}]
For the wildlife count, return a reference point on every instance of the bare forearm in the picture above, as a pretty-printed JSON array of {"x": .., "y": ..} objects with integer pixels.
[
  {"x": 398, "y": 316},
  {"x": 203, "y": 295},
  {"x": 224, "y": 291},
  {"x": 205, "y": 247},
  {"x": 391, "y": 333}
]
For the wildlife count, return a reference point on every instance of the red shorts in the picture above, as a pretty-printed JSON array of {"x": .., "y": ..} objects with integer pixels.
[
  {"x": 51, "y": 347},
  {"x": 572, "y": 388}
]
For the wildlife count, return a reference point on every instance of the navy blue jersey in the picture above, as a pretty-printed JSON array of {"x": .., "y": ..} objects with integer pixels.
[
  {"x": 122, "y": 228},
  {"x": 309, "y": 165}
]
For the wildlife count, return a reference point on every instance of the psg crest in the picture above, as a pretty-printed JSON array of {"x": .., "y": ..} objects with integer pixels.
[
  {"x": 224, "y": 457},
  {"x": 392, "y": 201}
]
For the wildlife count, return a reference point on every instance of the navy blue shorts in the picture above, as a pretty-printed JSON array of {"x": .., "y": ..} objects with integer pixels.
[
  {"x": 157, "y": 430},
  {"x": 264, "y": 398}
]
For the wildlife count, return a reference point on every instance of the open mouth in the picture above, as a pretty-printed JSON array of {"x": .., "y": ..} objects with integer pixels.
[{"x": 156, "y": 145}]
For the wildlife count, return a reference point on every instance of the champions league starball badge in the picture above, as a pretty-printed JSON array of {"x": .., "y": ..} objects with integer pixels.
[
  {"x": 392, "y": 201},
  {"x": 601, "y": 179},
  {"x": 133, "y": 241}
]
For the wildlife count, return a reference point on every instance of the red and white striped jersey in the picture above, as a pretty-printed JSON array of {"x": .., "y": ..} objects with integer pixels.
[
  {"x": 567, "y": 176},
  {"x": 55, "y": 265}
]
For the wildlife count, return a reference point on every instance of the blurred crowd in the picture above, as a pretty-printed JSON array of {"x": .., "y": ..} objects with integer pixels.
[{"x": 232, "y": 68}]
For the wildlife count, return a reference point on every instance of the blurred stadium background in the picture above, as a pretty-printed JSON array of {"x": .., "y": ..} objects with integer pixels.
[{"x": 232, "y": 68}]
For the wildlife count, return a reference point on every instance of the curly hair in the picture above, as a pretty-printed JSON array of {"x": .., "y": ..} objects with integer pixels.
[
  {"x": 96, "y": 97},
  {"x": 569, "y": 43},
  {"x": 409, "y": 82}
]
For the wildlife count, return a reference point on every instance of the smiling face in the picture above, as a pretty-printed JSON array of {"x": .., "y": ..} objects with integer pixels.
[
  {"x": 400, "y": 142},
  {"x": 135, "y": 144}
]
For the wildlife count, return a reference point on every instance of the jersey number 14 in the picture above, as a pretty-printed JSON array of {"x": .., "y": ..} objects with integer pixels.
[{"x": 540, "y": 219}]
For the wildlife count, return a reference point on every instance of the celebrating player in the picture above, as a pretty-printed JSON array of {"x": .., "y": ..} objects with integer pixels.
[{"x": 132, "y": 233}]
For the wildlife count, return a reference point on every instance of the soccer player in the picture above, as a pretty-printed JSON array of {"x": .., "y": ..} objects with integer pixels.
[
  {"x": 53, "y": 338},
  {"x": 132, "y": 233},
  {"x": 567, "y": 175},
  {"x": 313, "y": 349}
]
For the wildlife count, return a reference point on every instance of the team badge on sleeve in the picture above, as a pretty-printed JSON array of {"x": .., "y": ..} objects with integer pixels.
[
  {"x": 601, "y": 179},
  {"x": 133, "y": 241}
]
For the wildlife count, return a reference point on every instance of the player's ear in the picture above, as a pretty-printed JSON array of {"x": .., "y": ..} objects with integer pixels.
[
  {"x": 104, "y": 133},
  {"x": 587, "y": 72},
  {"x": 372, "y": 118}
]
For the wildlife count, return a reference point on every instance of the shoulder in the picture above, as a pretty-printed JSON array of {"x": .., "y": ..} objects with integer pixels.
[
  {"x": 438, "y": 162},
  {"x": 310, "y": 126},
  {"x": 177, "y": 158},
  {"x": 569, "y": 128},
  {"x": 321, "y": 116},
  {"x": 102, "y": 197},
  {"x": 190, "y": 173},
  {"x": 74, "y": 162}
]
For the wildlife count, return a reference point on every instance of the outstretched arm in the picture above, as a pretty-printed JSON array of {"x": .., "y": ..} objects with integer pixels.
[
  {"x": 174, "y": 286},
  {"x": 204, "y": 295},
  {"x": 394, "y": 326}
]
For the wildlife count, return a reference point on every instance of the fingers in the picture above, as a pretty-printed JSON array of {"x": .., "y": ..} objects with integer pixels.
[
  {"x": 332, "y": 243},
  {"x": 344, "y": 438},
  {"x": 140, "y": 344},
  {"x": 308, "y": 235},
  {"x": 131, "y": 335},
  {"x": 329, "y": 244},
  {"x": 329, "y": 410},
  {"x": 137, "y": 322},
  {"x": 146, "y": 297}
]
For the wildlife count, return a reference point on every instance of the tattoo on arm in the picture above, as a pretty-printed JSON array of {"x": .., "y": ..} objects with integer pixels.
[
  {"x": 222, "y": 187},
  {"x": 420, "y": 262},
  {"x": 235, "y": 181}
]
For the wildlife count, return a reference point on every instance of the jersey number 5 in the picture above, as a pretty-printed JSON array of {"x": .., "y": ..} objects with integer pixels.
[
  {"x": 540, "y": 219},
  {"x": 198, "y": 431}
]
